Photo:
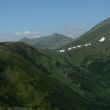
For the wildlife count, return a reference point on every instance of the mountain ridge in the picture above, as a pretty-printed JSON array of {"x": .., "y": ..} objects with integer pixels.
[
  {"x": 32, "y": 78},
  {"x": 77, "y": 78},
  {"x": 51, "y": 42},
  {"x": 93, "y": 34}
]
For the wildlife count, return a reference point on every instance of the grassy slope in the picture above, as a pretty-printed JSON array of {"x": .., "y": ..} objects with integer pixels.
[
  {"x": 94, "y": 67},
  {"x": 94, "y": 34}
]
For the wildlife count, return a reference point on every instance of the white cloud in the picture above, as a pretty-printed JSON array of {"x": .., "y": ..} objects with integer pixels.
[
  {"x": 28, "y": 33},
  {"x": 18, "y": 35}
]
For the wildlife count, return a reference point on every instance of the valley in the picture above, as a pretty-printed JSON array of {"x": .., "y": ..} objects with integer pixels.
[{"x": 74, "y": 76}]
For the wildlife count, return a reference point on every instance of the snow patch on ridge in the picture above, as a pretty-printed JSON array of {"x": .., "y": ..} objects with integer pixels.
[
  {"x": 70, "y": 48},
  {"x": 74, "y": 47},
  {"x": 61, "y": 51},
  {"x": 79, "y": 46},
  {"x": 102, "y": 39},
  {"x": 86, "y": 45}
]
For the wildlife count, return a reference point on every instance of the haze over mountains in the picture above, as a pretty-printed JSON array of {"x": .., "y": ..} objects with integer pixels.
[
  {"x": 51, "y": 42},
  {"x": 16, "y": 36},
  {"x": 75, "y": 79}
]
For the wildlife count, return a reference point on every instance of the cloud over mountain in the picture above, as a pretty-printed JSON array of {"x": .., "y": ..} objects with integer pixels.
[
  {"x": 18, "y": 35},
  {"x": 28, "y": 33}
]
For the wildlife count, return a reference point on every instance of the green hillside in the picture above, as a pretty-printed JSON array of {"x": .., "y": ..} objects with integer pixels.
[
  {"x": 43, "y": 79},
  {"x": 98, "y": 31},
  {"x": 31, "y": 78},
  {"x": 51, "y": 42},
  {"x": 94, "y": 65}
]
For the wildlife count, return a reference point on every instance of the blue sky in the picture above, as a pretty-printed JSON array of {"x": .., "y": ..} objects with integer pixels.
[{"x": 49, "y": 16}]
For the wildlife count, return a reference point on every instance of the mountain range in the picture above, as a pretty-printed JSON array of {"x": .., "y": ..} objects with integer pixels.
[
  {"x": 48, "y": 42},
  {"x": 74, "y": 76}
]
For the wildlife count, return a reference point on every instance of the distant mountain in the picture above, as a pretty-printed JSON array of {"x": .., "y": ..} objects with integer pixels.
[{"x": 51, "y": 42}]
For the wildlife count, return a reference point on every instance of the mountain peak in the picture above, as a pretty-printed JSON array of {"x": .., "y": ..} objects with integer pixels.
[{"x": 51, "y": 42}]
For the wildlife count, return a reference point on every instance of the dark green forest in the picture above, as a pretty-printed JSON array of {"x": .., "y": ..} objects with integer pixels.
[{"x": 44, "y": 79}]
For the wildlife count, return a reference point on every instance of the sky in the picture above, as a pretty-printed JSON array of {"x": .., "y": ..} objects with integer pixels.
[{"x": 35, "y": 18}]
